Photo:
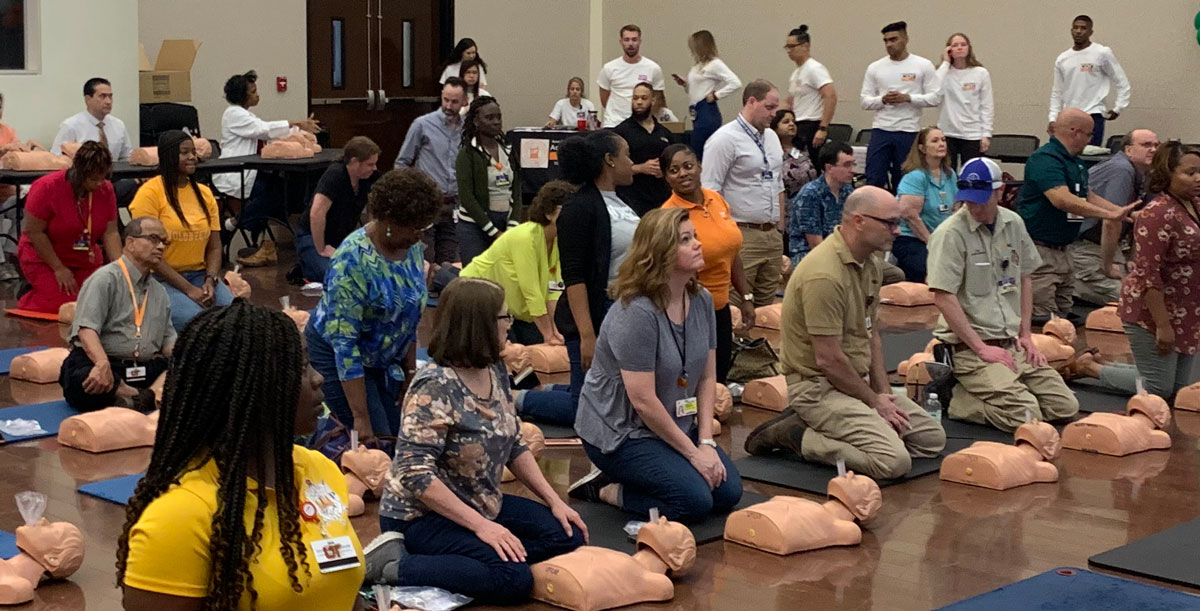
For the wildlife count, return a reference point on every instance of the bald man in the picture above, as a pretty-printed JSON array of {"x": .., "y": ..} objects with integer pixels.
[
  {"x": 1098, "y": 254},
  {"x": 1054, "y": 200},
  {"x": 840, "y": 401}
]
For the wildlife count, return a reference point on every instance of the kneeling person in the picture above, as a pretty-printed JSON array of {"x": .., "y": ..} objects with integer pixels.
[
  {"x": 122, "y": 334},
  {"x": 981, "y": 261},
  {"x": 840, "y": 402}
]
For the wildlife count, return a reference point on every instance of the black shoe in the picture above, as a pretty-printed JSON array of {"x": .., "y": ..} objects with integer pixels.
[
  {"x": 1074, "y": 318},
  {"x": 783, "y": 432},
  {"x": 587, "y": 488}
]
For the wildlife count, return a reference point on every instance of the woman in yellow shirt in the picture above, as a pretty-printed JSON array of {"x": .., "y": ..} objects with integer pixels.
[
  {"x": 229, "y": 510},
  {"x": 524, "y": 260},
  {"x": 190, "y": 267}
]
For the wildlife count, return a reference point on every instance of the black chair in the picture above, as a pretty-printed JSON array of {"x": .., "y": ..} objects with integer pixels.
[
  {"x": 839, "y": 132},
  {"x": 1013, "y": 148},
  {"x": 158, "y": 118},
  {"x": 863, "y": 138},
  {"x": 1115, "y": 143}
]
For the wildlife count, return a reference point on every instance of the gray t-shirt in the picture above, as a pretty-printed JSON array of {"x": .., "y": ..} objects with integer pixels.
[
  {"x": 1115, "y": 180},
  {"x": 640, "y": 337},
  {"x": 624, "y": 222}
]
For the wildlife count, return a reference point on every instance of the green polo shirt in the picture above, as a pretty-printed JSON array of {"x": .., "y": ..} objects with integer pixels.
[
  {"x": 976, "y": 265},
  {"x": 1049, "y": 167},
  {"x": 830, "y": 293}
]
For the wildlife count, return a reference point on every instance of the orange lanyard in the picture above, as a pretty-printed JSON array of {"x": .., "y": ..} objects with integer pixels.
[{"x": 139, "y": 314}]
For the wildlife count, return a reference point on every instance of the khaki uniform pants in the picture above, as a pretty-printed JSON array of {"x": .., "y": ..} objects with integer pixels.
[
  {"x": 841, "y": 426},
  {"x": 1052, "y": 283},
  {"x": 762, "y": 258},
  {"x": 994, "y": 395},
  {"x": 1091, "y": 285}
]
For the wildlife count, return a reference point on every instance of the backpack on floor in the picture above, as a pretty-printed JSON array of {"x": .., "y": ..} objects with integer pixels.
[{"x": 752, "y": 359}]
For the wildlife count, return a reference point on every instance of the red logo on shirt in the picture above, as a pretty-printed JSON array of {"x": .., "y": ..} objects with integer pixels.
[
  {"x": 908, "y": 78},
  {"x": 1087, "y": 68},
  {"x": 968, "y": 87}
]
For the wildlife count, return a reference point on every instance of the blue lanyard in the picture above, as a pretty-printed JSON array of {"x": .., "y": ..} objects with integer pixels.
[{"x": 757, "y": 142}]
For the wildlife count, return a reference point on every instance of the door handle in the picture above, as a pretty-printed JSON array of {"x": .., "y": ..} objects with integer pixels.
[
  {"x": 381, "y": 99},
  {"x": 370, "y": 99}
]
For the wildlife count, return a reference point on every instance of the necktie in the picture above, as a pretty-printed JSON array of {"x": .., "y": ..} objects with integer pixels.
[{"x": 103, "y": 136}]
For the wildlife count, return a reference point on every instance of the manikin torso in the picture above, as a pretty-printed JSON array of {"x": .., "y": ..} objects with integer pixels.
[
  {"x": 787, "y": 524},
  {"x": 1001, "y": 466},
  {"x": 1118, "y": 435},
  {"x": 112, "y": 428},
  {"x": 53, "y": 549}
]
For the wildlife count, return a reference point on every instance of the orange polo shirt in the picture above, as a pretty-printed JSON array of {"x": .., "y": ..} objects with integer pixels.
[{"x": 720, "y": 241}]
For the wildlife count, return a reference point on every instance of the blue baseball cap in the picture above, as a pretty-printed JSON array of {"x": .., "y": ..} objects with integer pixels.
[{"x": 980, "y": 176}]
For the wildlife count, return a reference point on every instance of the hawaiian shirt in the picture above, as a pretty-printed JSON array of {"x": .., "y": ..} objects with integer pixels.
[{"x": 816, "y": 211}]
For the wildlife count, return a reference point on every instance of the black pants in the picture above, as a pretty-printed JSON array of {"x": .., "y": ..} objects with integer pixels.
[
  {"x": 77, "y": 367},
  {"x": 805, "y": 131},
  {"x": 525, "y": 333},
  {"x": 911, "y": 254},
  {"x": 441, "y": 240},
  {"x": 724, "y": 343},
  {"x": 961, "y": 151}
]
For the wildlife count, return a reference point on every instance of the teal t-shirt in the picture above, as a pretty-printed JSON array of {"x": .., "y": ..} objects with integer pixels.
[
  {"x": 1049, "y": 167},
  {"x": 939, "y": 197}
]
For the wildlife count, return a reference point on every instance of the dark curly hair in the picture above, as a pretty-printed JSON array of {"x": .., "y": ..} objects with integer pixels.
[
  {"x": 405, "y": 197},
  {"x": 92, "y": 159},
  {"x": 169, "y": 144},
  {"x": 243, "y": 424},
  {"x": 237, "y": 88},
  {"x": 552, "y": 195},
  {"x": 1166, "y": 161},
  {"x": 469, "y": 131}
]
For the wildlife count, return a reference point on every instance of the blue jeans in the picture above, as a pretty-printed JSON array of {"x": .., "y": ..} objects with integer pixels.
[
  {"x": 575, "y": 358},
  {"x": 382, "y": 390},
  {"x": 885, "y": 155},
  {"x": 911, "y": 254},
  {"x": 706, "y": 121},
  {"x": 183, "y": 309},
  {"x": 313, "y": 266},
  {"x": 445, "y": 555},
  {"x": 552, "y": 406},
  {"x": 653, "y": 474},
  {"x": 266, "y": 202},
  {"x": 1162, "y": 375},
  {"x": 472, "y": 241},
  {"x": 1097, "y": 130}
]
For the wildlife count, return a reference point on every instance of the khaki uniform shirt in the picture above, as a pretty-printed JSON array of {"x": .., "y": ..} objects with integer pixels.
[
  {"x": 983, "y": 269},
  {"x": 105, "y": 306},
  {"x": 830, "y": 293}
]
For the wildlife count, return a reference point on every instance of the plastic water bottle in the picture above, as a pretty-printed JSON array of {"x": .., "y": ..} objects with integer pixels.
[{"x": 933, "y": 406}]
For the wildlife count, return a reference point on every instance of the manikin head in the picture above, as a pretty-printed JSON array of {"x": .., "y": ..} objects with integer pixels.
[
  {"x": 859, "y": 493},
  {"x": 1152, "y": 406},
  {"x": 371, "y": 466},
  {"x": 533, "y": 438},
  {"x": 57, "y": 546},
  {"x": 1040, "y": 435},
  {"x": 1060, "y": 328},
  {"x": 672, "y": 542}
]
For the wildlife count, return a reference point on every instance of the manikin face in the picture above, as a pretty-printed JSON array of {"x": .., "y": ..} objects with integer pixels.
[
  {"x": 859, "y": 493},
  {"x": 58, "y": 546},
  {"x": 1154, "y": 407},
  {"x": 1042, "y": 436},
  {"x": 369, "y": 465},
  {"x": 672, "y": 541}
]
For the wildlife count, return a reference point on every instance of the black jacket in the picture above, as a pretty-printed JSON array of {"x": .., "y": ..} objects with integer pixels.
[{"x": 584, "y": 250}]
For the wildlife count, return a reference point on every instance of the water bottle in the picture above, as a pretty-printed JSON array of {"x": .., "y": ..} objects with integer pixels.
[{"x": 933, "y": 406}]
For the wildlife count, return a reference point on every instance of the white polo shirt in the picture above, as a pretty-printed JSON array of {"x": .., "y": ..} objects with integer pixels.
[{"x": 747, "y": 175}]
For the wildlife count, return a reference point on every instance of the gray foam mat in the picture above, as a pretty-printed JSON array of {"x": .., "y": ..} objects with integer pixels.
[
  {"x": 1095, "y": 398},
  {"x": 1172, "y": 556},
  {"x": 900, "y": 346},
  {"x": 606, "y": 523},
  {"x": 555, "y": 431},
  {"x": 957, "y": 429}
]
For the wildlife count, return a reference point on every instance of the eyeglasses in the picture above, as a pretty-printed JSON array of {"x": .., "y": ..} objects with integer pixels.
[
  {"x": 789, "y": 46},
  {"x": 891, "y": 224},
  {"x": 153, "y": 239},
  {"x": 508, "y": 318}
]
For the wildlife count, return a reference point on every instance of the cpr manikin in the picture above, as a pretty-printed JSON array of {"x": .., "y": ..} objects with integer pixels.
[
  {"x": 1118, "y": 435},
  {"x": 285, "y": 149},
  {"x": 144, "y": 156},
  {"x": 766, "y": 393},
  {"x": 300, "y": 317},
  {"x": 34, "y": 161},
  {"x": 366, "y": 472},
  {"x": 236, "y": 283},
  {"x": 41, "y": 367},
  {"x": 593, "y": 578},
  {"x": 534, "y": 440},
  {"x": 109, "y": 429},
  {"x": 788, "y": 524},
  {"x": 48, "y": 550},
  {"x": 767, "y": 322},
  {"x": 1105, "y": 319},
  {"x": 1000, "y": 466},
  {"x": 1188, "y": 398},
  {"x": 906, "y": 294}
]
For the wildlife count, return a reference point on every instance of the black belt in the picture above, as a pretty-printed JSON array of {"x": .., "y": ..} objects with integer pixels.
[
  {"x": 1050, "y": 246},
  {"x": 758, "y": 226},
  {"x": 999, "y": 343}
]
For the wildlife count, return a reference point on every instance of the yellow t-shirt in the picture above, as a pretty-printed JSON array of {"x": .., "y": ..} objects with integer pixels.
[
  {"x": 186, "y": 252},
  {"x": 169, "y": 544}
]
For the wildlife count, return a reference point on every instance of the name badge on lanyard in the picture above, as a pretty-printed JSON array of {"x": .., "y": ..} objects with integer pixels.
[{"x": 767, "y": 174}]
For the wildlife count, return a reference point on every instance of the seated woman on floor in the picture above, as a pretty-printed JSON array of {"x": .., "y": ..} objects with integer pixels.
[
  {"x": 68, "y": 214},
  {"x": 190, "y": 269},
  {"x": 646, "y": 410},
  {"x": 444, "y": 520}
]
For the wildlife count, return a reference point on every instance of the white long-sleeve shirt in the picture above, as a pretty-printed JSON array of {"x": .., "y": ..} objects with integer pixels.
[
  {"x": 713, "y": 77},
  {"x": 1082, "y": 80},
  {"x": 913, "y": 75},
  {"x": 83, "y": 127},
  {"x": 966, "y": 98},
  {"x": 241, "y": 131}
]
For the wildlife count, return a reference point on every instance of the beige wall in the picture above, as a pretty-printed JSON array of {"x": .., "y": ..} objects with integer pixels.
[
  {"x": 268, "y": 36},
  {"x": 35, "y": 103}
]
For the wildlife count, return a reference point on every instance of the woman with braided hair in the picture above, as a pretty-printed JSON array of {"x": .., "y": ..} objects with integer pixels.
[
  {"x": 232, "y": 515},
  {"x": 489, "y": 188},
  {"x": 68, "y": 215}
]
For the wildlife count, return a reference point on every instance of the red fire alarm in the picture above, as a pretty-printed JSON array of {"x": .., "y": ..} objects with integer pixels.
[{"x": 281, "y": 84}]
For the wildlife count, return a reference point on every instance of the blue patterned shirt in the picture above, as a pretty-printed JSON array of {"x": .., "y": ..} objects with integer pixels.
[
  {"x": 371, "y": 307},
  {"x": 813, "y": 210}
]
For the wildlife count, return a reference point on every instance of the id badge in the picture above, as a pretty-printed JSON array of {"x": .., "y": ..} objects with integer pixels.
[
  {"x": 867, "y": 322},
  {"x": 768, "y": 175},
  {"x": 135, "y": 374},
  {"x": 686, "y": 407},
  {"x": 335, "y": 554},
  {"x": 556, "y": 287},
  {"x": 81, "y": 244},
  {"x": 503, "y": 180},
  {"x": 1008, "y": 285}
]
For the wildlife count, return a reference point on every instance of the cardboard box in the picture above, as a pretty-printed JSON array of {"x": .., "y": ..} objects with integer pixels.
[{"x": 170, "y": 78}]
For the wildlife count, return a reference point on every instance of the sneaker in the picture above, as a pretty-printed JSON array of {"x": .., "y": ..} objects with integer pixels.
[
  {"x": 8, "y": 271},
  {"x": 783, "y": 432},
  {"x": 265, "y": 255},
  {"x": 587, "y": 488},
  {"x": 382, "y": 558}
]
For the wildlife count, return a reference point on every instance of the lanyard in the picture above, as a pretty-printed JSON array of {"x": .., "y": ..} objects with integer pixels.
[
  {"x": 139, "y": 314},
  {"x": 79, "y": 209},
  {"x": 682, "y": 380},
  {"x": 757, "y": 142}
]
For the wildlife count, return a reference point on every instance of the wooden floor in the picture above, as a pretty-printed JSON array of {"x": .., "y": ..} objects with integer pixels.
[{"x": 931, "y": 545}]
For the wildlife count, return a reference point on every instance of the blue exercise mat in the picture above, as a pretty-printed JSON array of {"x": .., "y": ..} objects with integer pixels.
[
  {"x": 117, "y": 490},
  {"x": 6, "y": 356},
  {"x": 8, "y": 545},
  {"x": 1068, "y": 589},
  {"x": 49, "y": 415}
]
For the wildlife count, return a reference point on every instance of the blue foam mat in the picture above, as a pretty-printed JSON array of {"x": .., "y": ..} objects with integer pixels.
[
  {"x": 6, "y": 356},
  {"x": 117, "y": 490},
  {"x": 1067, "y": 589},
  {"x": 8, "y": 545},
  {"x": 49, "y": 415}
]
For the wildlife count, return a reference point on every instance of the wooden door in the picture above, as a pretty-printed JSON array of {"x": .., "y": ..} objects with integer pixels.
[{"x": 373, "y": 67}]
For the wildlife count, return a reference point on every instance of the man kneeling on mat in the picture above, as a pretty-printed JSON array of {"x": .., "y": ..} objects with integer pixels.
[
  {"x": 981, "y": 260},
  {"x": 122, "y": 333},
  {"x": 840, "y": 402}
]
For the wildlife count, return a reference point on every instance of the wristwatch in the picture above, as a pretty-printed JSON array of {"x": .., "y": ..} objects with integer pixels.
[
  {"x": 708, "y": 442},
  {"x": 748, "y": 297}
]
